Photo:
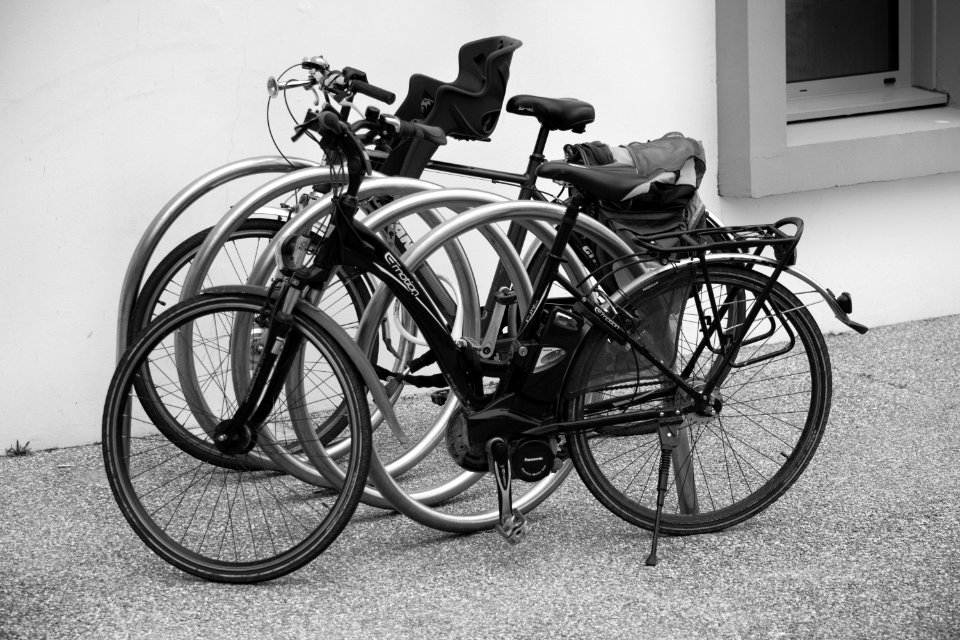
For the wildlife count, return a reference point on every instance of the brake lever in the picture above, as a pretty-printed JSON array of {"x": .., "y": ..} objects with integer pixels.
[{"x": 309, "y": 122}]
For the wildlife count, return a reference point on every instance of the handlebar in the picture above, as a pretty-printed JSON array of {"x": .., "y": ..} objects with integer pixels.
[
  {"x": 342, "y": 84},
  {"x": 407, "y": 129},
  {"x": 338, "y": 138},
  {"x": 340, "y": 142},
  {"x": 322, "y": 122}
]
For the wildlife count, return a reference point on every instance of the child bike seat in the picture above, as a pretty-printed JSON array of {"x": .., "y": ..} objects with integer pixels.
[
  {"x": 466, "y": 109},
  {"x": 556, "y": 114}
]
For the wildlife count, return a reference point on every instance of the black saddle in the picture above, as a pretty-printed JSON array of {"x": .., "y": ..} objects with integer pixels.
[
  {"x": 557, "y": 114},
  {"x": 609, "y": 182}
]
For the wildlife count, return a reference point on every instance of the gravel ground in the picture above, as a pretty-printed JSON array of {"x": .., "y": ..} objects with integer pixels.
[{"x": 865, "y": 545}]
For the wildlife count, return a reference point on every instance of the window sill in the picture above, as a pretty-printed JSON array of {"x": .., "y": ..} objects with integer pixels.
[
  {"x": 869, "y": 148},
  {"x": 861, "y": 102}
]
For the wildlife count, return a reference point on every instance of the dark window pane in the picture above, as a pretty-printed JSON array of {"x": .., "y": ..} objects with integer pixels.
[{"x": 838, "y": 38}]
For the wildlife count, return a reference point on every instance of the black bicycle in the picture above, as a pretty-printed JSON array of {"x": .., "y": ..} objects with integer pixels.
[{"x": 708, "y": 365}]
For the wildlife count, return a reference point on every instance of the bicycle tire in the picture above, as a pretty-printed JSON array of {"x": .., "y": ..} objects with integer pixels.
[
  {"x": 736, "y": 464},
  {"x": 208, "y": 519}
]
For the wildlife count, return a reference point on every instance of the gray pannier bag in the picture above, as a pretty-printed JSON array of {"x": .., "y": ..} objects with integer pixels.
[
  {"x": 673, "y": 166},
  {"x": 668, "y": 201}
]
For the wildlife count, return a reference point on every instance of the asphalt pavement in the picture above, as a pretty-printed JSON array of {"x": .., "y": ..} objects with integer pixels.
[{"x": 865, "y": 545}]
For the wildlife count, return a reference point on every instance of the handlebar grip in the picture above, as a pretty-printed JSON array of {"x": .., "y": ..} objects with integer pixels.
[
  {"x": 330, "y": 123},
  {"x": 422, "y": 131},
  {"x": 433, "y": 134},
  {"x": 376, "y": 93}
]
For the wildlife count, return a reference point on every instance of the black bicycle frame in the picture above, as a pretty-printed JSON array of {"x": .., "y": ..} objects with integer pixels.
[{"x": 352, "y": 244}]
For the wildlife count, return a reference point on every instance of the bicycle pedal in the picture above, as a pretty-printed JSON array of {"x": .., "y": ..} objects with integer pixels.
[
  {"x": 439, "y": 397},
  {"x": 514, "y": 529}
]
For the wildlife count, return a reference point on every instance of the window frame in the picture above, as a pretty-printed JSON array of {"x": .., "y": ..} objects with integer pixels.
[
  {"x": 868, "y": 92},
  {"x": 864, "y": 81},
  {"x": 761, "y": 155}
]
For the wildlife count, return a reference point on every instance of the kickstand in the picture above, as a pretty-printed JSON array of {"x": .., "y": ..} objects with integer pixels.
[
  {"x": 513, "y": 525},
  {"x": 669, "y": 438}
]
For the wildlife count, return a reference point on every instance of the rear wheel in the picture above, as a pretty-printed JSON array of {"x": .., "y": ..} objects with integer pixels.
[
  {"x": 730, "y": 466},
  {"x": 236, "y": 522}
]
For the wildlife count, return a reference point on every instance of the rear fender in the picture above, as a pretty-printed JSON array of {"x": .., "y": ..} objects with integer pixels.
[{"x": 747, "y": 260}]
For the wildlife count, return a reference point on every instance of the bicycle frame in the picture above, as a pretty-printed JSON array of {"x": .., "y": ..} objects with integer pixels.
[{"x": 350, "y": 243}]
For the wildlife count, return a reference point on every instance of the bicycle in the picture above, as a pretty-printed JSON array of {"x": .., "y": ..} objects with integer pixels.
[
  {"x": 553, "y": 114},
  {"x": 557, "y": 399}
]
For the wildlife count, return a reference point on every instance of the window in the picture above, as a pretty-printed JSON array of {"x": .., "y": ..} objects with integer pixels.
[
  {"x": 760, "y": 154},
  {"x": 846, "y": 57}
]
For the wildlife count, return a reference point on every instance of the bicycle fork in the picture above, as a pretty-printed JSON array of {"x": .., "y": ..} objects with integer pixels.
[
  {"x": 238, "y": 435},
  {"x": 277, "y": 352}
]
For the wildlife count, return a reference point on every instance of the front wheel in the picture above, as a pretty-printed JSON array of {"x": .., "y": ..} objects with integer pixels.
[
  {"x": 238, "y": 522},
  {"x": 727, "y": 467}
]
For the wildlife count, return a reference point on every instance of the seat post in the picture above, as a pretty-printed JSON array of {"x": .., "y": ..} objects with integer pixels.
[
  {"x": 536, "y": 159},
  {"x": 516, "y": 233}
]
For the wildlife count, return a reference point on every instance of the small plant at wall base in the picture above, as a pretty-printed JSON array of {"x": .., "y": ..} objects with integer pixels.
[{"x": 18, "y": 450}]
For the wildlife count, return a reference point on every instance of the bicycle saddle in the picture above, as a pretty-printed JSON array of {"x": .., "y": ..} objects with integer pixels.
[
  {"x": 609, "y": 182},
  {"x": 557, "y": 114}
]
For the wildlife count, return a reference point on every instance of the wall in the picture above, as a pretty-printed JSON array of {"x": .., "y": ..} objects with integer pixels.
[
  {"x": 108, "y": 108},
  {"x": 887, "y": 243}
]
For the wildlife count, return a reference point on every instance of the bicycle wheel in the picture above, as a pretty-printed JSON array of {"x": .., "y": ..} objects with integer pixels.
[
  {"x": 344, "y": 298},
  {"x": 728, "y": 467},
  {"x": 236, "y": 523}
]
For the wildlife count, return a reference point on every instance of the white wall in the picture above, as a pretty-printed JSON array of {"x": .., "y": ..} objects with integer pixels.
[
  {"x": 108, "y": 108},
  {"x": 890, "y": 244}
]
